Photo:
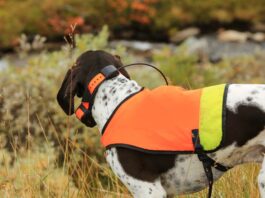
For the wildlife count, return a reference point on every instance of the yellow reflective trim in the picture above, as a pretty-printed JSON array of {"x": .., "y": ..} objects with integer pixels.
[{"x": 211, "y": 116}]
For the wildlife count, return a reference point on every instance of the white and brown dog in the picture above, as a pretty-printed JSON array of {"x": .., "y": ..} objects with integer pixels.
[{"x": 161, "y": 175}]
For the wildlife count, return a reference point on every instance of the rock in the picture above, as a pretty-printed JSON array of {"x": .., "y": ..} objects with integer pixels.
[
  {"x": 258, "y": 37},
  {"x": 184, "y": 34},
  {"x": 233, "y": 36},
  {"x": 141, "y": 46},
  {"x": 198, "y": 46},
  {"x": 220, "y": 50},
  {"x": 3, "y": 65},
  {"x": 134, "y": 45},
  {"x": 258, "y": 27}
]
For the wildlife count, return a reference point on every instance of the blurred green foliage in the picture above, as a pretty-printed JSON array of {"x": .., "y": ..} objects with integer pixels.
[
  {"x": 53, "y": 18},
  {"x": 186, "y": 70}
]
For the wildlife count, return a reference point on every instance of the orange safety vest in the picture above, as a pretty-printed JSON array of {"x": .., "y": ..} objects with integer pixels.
[{"x": 160, "y": 120}]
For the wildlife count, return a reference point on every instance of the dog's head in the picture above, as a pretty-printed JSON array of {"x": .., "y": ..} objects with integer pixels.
[{"x": 74, "y": 83}]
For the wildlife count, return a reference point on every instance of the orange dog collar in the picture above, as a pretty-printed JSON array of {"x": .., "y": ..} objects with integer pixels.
[{"x": 84, "y": 111}]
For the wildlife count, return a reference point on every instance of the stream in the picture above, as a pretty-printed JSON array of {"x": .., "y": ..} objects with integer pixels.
[{"x": 207, "y": 45}]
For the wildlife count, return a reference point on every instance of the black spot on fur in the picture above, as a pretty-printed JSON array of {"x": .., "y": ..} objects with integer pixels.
[
  {"x": 104, "y": 97},
  {"x": 150, "y": 191},
  {"x": 121, "y": 80},
  {"x": 249, "y": 99},
  {"x": 180, "y": 159},
  {"x": 254, "y": 92},
  {"x": 248, "y": 120},
  {"x": 112, "y": 89},
  {"x": 106, "y": 103},
  {"x": 262, "y": 185},
  {"x": 144, "y": 166}
]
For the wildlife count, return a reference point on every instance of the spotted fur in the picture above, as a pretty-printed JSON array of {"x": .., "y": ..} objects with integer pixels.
[
  {"x": 110, "y": 94},
  {"x": 159, "y": 175},
  {"x": 187, "y": 174}
]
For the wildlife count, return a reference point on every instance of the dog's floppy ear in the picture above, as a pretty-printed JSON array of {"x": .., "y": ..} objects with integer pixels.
[{"x": 68, "y": 90}]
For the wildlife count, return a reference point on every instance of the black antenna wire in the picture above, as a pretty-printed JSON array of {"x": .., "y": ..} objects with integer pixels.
[{"x": 146, "y": 64}]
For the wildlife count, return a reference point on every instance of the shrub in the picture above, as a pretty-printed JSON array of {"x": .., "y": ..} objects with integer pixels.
[
  {"x": 183, "y": 68},
  {"x": 30, "y": 117}
]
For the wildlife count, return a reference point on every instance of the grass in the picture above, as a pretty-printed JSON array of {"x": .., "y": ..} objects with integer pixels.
[{"x": 37, "y": 174}]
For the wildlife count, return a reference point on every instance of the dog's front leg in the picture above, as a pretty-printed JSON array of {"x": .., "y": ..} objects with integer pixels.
[
  {"x": 261, "y": 180},
  {"x": 138, "y": 188}
]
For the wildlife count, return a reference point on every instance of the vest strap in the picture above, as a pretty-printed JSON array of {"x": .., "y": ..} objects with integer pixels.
[{"x": 208, "y": 163}]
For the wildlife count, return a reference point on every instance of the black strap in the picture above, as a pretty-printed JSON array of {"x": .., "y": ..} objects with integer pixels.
[
  {"x": 208, "y": 171},
  {"x": 208, "y": 163}
]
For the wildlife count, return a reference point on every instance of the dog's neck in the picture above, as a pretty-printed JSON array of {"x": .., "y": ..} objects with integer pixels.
[{"x": 109, "y": 95}]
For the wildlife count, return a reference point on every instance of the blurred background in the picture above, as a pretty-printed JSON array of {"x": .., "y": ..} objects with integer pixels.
[{"x": 44, "y": 153}]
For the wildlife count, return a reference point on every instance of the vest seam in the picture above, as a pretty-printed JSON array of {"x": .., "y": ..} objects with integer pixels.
[
  {"x": 147, "y": 150},
  {"x": 223, "y": 121}
]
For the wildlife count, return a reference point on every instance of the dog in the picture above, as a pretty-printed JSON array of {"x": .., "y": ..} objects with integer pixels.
[{"x": 160, "y": 175}]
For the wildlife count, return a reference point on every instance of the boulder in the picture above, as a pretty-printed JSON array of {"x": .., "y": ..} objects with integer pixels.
[
  {"x": 184, "y": 34},
  {"x": 233, "y": 36},
  {"x": 258, "y": 37}
]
